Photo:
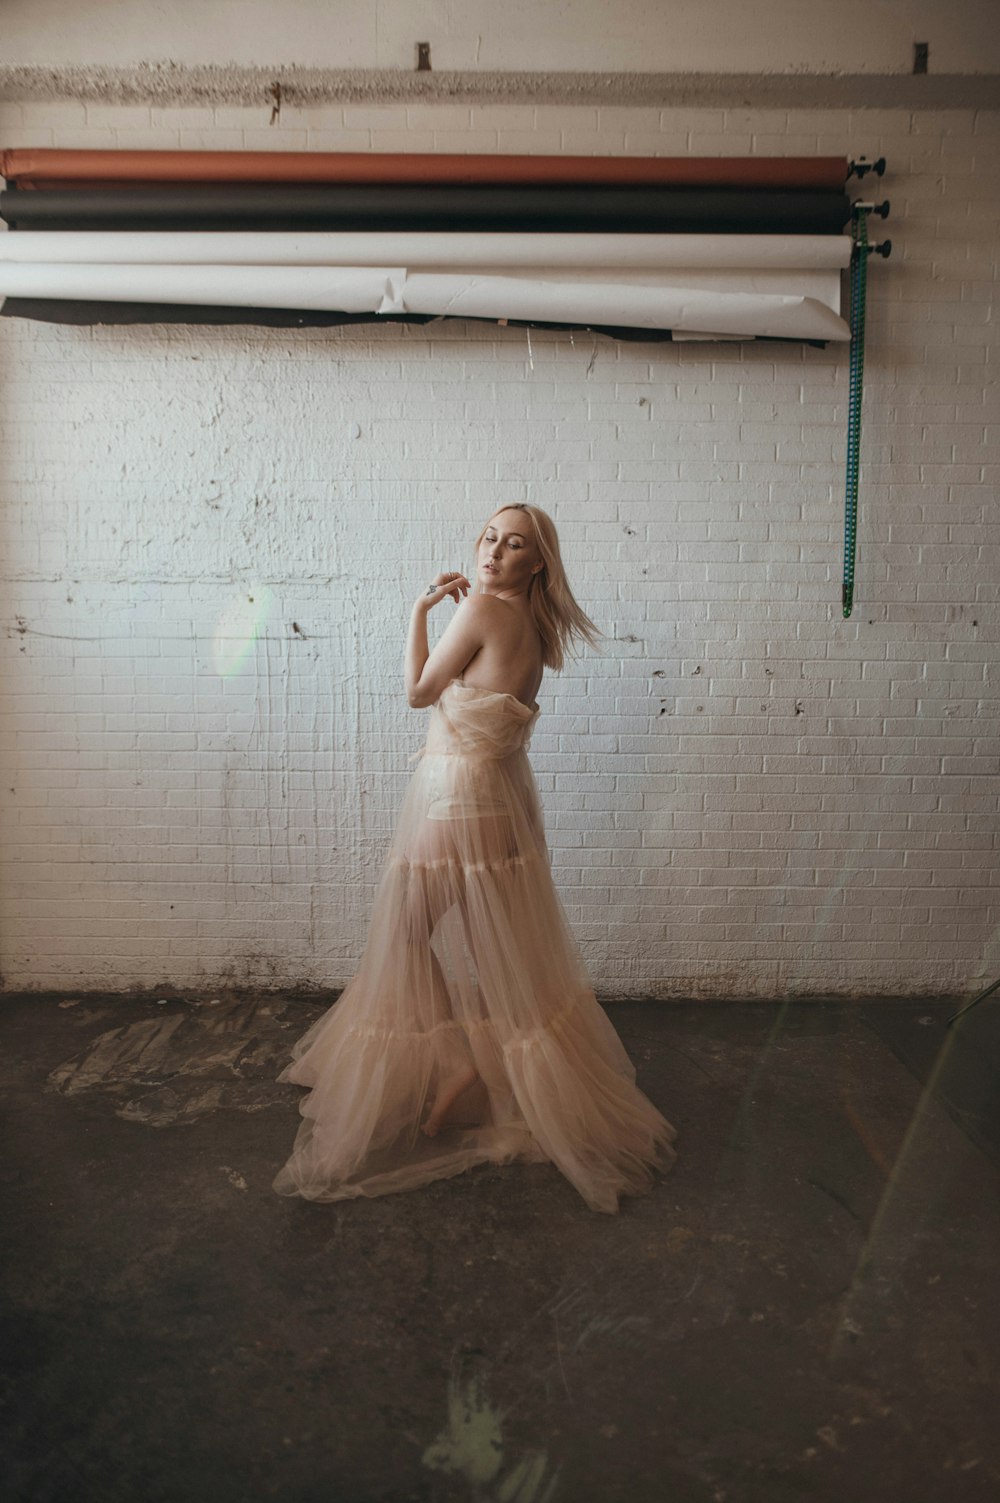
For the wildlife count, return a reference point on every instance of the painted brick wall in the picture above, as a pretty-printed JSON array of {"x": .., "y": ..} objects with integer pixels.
[
  {"x": 605, "y": 36},
  {"x": 211, "y": 540}
]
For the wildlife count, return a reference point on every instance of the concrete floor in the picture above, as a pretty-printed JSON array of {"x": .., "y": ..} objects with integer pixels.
[{"x": 805, "y": 1308}]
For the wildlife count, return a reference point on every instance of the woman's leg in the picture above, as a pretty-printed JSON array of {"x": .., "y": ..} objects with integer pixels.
[
  {"x": 424, "y": 983},
  {"x": 436, "y": 883},
  {"x": 490, "y": 843}
]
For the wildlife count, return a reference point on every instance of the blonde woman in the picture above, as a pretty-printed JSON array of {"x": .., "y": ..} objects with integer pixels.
[{"x": 470, "y": 1033}]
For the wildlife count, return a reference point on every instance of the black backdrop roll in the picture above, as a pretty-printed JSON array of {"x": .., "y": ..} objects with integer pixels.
[{"x": 284, "y": 207}]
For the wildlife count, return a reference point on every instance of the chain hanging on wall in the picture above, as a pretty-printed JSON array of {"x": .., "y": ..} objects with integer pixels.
[{"x": 859, "y": 290}]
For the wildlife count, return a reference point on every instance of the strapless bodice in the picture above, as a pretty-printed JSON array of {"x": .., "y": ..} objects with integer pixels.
[{"x": 469, "y": 721}]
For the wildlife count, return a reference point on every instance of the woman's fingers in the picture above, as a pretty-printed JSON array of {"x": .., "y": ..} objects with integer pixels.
[
  {"x": 454, "y": 584},
  {"x": 454, "y": 578}
]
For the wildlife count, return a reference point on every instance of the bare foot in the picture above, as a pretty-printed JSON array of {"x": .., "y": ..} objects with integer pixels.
[{"x": 448, "y": 1093}]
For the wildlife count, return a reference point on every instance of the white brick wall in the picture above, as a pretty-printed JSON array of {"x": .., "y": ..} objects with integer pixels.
[
  {"x": 745, "y": 794},
  {"x": 781, "y": 36}
]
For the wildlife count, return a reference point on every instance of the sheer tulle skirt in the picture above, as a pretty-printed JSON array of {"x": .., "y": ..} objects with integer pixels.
[{"x": 469, "y": 960}]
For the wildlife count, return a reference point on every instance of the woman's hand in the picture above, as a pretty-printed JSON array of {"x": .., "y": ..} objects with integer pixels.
[{"x": 455, "y": 585}]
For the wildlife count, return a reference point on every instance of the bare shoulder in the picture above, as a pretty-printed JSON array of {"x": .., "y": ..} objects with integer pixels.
[
  {"x": 487, "y": 603},
  {"x": 493, "y": 614}
]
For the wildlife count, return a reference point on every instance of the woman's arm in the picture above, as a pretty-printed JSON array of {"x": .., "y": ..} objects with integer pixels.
[{"x": 427, "y": 674}]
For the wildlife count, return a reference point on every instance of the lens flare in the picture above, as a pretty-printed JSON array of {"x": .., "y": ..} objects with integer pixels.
[
  {"x": 238, "y": 628},
  {"x": 904, "y": 1207}
]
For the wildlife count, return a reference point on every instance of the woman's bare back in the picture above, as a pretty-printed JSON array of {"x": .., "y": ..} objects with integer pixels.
[{"x": 510, "y": 660}]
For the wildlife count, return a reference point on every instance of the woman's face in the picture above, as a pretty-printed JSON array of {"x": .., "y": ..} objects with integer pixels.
[{"x": 508, "y": 554}]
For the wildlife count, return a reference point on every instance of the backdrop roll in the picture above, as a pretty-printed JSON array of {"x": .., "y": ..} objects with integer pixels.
[
  {"x": 47, "y": 167},
  {"x": 778, "y": 304},
  {"x": 429, "y": 248},
  {"x": 534, "y": 208}
]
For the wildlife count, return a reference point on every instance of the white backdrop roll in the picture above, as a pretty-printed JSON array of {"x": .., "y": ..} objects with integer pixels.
[
  {"x": 641, "y": 306},
  {"x": 431, "y": 248},
  {"x": 348, "y": 289},
  {"x": 789, "y": 305}
]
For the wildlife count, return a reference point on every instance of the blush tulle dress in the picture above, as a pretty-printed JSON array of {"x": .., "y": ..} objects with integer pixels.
[{"x": 469, "y": 960}]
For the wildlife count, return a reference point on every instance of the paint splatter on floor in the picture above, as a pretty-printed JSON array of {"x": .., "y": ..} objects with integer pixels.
[
  {"x": 177, "y": 1067},
  {"x": 471, "y": 1445}
]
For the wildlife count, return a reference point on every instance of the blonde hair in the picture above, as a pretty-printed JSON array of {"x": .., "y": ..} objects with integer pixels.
[{"x": 559, "y": 619}]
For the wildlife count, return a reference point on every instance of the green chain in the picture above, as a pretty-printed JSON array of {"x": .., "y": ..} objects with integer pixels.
[{"x": 859, "y": 281}]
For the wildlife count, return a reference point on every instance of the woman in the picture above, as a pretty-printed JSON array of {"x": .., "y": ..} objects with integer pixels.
[{"x": 470, "y": 1033}]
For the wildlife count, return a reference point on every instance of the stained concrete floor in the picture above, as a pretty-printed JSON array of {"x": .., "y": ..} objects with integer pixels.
[{"x": 805, "y": 1308}]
